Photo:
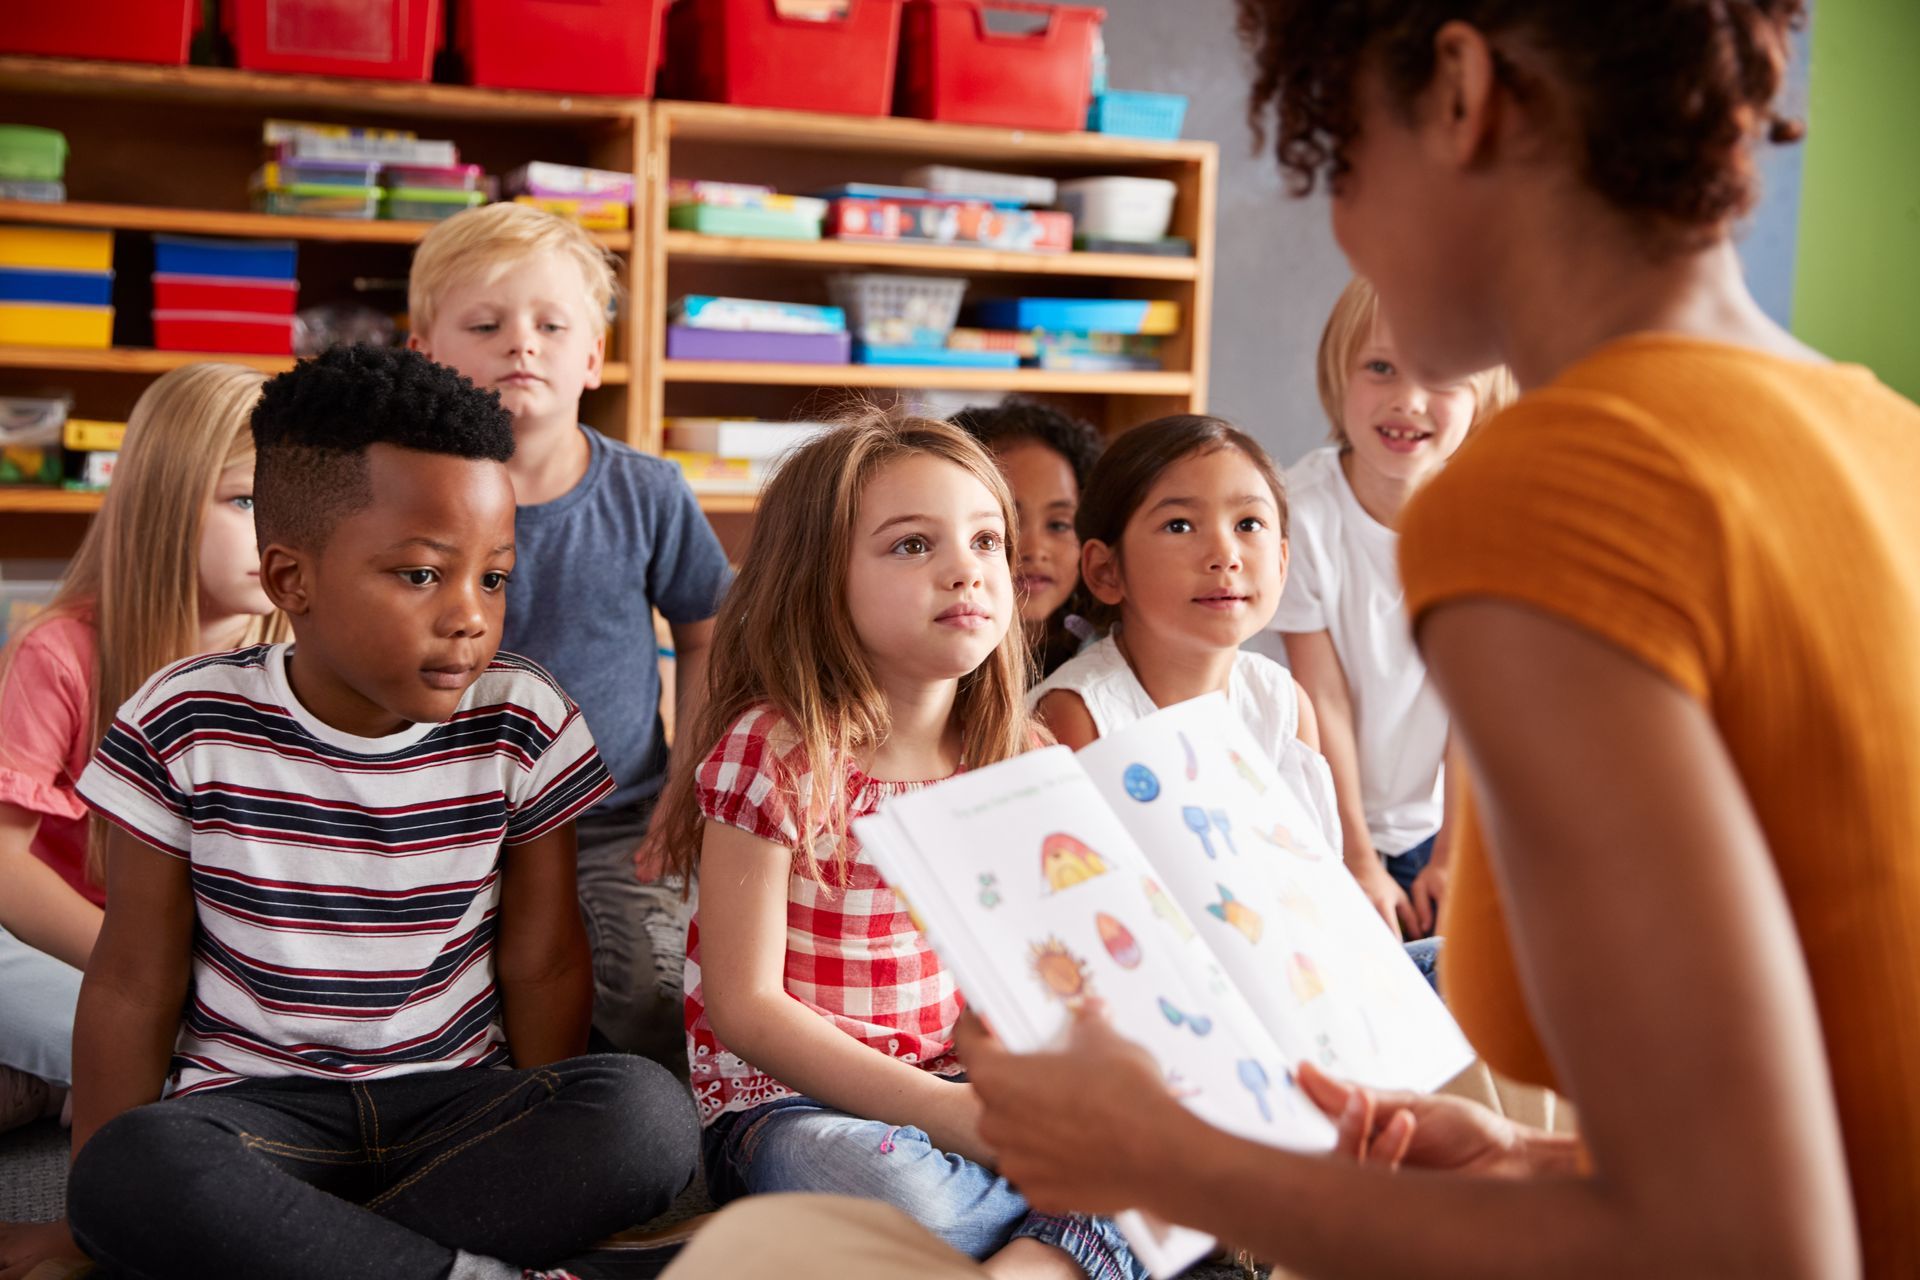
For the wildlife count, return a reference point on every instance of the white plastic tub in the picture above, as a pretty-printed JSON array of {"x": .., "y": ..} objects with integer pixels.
[{"x": 1136, "y": 209}]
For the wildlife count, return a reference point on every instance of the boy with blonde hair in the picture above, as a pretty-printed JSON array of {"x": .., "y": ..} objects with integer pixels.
[{"x": 519, "y": 300}]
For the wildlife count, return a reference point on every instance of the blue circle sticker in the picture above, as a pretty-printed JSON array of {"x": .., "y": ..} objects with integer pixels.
[{"x": 1140, "y": 783}]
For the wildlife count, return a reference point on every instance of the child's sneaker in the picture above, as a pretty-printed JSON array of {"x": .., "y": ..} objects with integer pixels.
[{"x": 25, "y": 1098}]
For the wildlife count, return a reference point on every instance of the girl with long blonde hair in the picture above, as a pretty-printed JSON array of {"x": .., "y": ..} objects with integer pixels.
[
  {"x": 867, "y": 648},
  {"x": 168, "y": 569}
]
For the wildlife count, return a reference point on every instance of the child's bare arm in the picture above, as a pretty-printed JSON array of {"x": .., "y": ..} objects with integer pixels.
[
  {"x": 743, "y": 946},
  {"x": 1065, "y": 715},
  {"x": 40, "y": 908},
  {"x": 691, "y": 640},
  {"x": 136, "y": 985},
  {"x": 542, "y": 963},
  {"x": 1317, "y": 667}
]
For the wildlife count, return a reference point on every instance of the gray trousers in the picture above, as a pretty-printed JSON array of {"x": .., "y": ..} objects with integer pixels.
[{"x": 638, "y": 933}]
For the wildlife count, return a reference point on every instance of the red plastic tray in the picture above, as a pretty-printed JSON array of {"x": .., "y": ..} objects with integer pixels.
[
  {"x": 746, "y": 52},
  {"x": 224, "y": 293},
  {"x": 377, "y": 39},
  {"x": 116, "y": 30},
  {"x": 223, "y": 331},
  {"x": 954, "y": 68},
  {"x": 564, "y": 46}
]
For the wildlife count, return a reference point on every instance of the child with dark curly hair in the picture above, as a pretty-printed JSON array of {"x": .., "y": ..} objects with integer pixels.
[
  {"x": 341, "y": 937},
  {"x": 1046, "y": 455}
]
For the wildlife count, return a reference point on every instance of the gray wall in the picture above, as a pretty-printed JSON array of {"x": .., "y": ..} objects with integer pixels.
[{"x": 1278, "y": 270}]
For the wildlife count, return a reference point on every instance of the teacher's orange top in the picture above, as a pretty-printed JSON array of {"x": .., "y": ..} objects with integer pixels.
[{"x": 1748, "y": 527}]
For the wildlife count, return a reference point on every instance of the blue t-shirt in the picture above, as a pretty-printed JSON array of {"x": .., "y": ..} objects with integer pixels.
[{"x": 590, "y": 567}]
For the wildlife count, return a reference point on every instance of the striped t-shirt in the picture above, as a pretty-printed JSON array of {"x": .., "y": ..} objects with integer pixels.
[{"x": 346, "y": 889}]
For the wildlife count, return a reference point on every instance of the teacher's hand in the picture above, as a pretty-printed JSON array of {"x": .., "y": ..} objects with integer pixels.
[
  {"x": 1088, "y": 1129},
  {"x": 1417, "y": 1130}
]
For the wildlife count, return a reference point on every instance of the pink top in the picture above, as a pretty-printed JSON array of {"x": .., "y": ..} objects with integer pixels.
[
  {"x": 854, "y": 957},
  {"x": 46, "y": 727}
]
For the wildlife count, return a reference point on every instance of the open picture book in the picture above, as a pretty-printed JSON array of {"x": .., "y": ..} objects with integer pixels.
[{"x": 1172, "y": 872}]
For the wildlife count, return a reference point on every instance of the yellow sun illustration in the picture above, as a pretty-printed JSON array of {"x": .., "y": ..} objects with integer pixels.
[{"x": 1061, "y": 971}]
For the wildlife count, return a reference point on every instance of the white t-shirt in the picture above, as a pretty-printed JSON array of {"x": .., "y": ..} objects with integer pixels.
[
  {"x": 1345, "y": 580},
  {"x": 1260, "y": 691}
]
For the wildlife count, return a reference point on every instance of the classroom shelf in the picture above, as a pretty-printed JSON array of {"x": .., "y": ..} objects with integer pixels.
[
  {"x": 140, "y": 360},
  {"x": 25, "y": 500},
  {"x": 727, "y": 504},
  {"x": 753, "y": 126},
  {"x": 211, "y": 222},
  {"x": 223, "y": 86},
  {"x": 748, "y": 373},
  {"x": 694, "y": 246},
  {"x": 194, "y": 131}
]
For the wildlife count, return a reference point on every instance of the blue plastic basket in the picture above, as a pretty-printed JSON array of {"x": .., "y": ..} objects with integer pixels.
[{"x": 1138, "y": 115}]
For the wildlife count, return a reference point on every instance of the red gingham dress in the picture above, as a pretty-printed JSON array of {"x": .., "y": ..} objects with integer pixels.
[{"x": 853, "y": 955}]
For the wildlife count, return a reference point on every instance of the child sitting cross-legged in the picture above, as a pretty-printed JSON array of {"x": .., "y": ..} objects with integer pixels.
[
  {"x": 867, "y": 649},
  {"x": 341, "y": 935}
]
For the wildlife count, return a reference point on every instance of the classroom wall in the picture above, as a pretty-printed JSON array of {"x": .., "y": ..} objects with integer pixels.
[
  {"x": 1857, "y": 278},
  {"x": 1279, "y": 270}
]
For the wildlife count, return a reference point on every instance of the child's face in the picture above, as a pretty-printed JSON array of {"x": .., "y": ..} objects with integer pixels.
[
  {"x": 1401, "y": 429},
  {"x": 229, "y": 558},
  {"x": 526, "y": 333},
  {"x": 1201, "y": 561},
  {"x": 402, "y": 608},
  {"x": 1045, "y": 497},
  {"x": 928, "y": 585}
]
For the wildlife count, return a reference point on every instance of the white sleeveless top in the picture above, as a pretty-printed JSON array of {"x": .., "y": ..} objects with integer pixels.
[{"x": 1260, "y": 691}]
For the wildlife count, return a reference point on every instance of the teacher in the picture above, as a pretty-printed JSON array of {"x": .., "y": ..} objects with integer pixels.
[{"x": 1672, "y": 600}]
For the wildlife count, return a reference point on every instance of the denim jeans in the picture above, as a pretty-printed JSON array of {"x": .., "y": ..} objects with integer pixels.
[
  {"x": 1405, "y": 868},
  {"x": 409, "y": 1176},
  {"x": 796, "y": 1144}
]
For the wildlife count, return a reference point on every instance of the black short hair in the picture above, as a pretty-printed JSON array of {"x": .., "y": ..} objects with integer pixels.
[
  {"x": 313, "y": 424},
  {"x": 1018, "y": 418}
]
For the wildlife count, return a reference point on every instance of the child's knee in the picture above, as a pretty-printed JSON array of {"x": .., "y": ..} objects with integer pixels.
[
  {"x": 644, "y": 1118},
  {"x": 134, "y": 1159}
]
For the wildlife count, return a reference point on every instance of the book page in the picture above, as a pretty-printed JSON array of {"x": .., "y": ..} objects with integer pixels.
[
  {"x": 1240, "y": 846},
  {"x": 1032, "y": 891}
]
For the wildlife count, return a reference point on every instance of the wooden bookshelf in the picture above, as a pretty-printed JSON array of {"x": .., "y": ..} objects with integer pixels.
[
  {"x": 27, "y": 500},
  {"x": 1034, "y": 381},
  {"x": 215, "y": 222},
  {"x": 844, "y": 254},
  {"x": 168, "y": 150}
]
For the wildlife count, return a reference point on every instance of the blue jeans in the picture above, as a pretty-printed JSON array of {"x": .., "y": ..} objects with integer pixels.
[
  {"x": 797, "y": 1144},
  {"x": 441, "y": 1174},
  {"x": 1405, "y": 868}
]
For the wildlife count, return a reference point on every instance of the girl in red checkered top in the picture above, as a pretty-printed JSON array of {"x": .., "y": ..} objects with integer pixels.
[{"x": 866, "y": 649}]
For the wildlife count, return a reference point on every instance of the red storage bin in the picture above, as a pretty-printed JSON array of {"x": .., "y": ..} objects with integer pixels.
[
  {"x": 746, "y": 52},
  {"x": 565, "y": 46},
  {"x": 223, "y": 331},
  {"x": 955, "y": 69},
  {"x": 224, "y": 293},
  {"x": 117, "y": 30},
  {"x": 376, "y": 39}
]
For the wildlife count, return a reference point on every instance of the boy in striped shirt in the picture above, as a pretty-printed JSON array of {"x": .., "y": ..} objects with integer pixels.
[{"x": 341, "y": 932}]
